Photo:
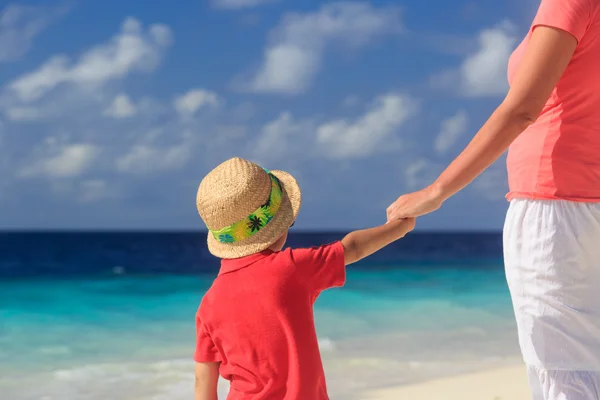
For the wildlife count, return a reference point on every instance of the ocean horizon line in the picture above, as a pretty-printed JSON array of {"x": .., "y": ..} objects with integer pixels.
[{"x": 200, "y": 231}]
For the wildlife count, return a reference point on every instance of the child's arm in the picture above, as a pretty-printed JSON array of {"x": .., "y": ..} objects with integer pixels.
[
  {"x": 363, "y": 243},
  {"x": 207, "y": 377}
]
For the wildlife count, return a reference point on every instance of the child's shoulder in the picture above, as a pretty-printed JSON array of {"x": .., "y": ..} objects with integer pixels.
[
  {"x": 316, "y": 249},
  {"x": 301, "y": 254},
  {"x": 320, "y": 255},
  {"x": 209, "y": 298}
]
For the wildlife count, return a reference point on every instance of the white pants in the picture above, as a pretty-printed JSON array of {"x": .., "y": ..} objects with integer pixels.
[
  {"x": 552, "y": 258},
  {"x": 564, "y": 385}
]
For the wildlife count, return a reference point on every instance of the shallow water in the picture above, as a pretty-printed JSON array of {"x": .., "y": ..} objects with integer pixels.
[
  {"x": 134, "y": 336},
  {"x": 130, "y": 336}
]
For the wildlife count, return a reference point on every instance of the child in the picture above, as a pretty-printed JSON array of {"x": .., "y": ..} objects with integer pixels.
[{"x": 255, "y": 325}]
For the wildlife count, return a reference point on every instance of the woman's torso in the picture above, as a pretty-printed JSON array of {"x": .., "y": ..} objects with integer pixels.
[{"x": 558, "y": 157}]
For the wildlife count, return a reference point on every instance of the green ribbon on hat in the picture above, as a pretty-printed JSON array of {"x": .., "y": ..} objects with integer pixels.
[{"x": 254, "y": 222}]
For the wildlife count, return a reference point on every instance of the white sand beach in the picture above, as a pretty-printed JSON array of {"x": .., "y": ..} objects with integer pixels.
[{"x": 508, "y": 383}]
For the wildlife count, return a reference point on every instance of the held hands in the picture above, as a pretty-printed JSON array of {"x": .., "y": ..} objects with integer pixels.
[
  {"x": 405, "y": 225},
  {"x": 415, "y": 204}
]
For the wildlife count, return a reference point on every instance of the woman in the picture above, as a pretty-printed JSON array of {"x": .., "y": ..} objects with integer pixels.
[{"x": 550, "y": 118}]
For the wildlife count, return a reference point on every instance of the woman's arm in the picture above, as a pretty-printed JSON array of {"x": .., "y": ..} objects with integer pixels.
[{"x": 545, "y": 60}]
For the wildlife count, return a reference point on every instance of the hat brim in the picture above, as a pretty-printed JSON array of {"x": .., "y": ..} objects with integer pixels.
[{"x": 262, "y": 240}]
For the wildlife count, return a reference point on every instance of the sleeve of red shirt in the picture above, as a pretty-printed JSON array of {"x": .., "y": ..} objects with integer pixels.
[
  {"x": 573, "y": 16},
  {"x": 206, "y": 350},
  {"x": 321, "y": 267}
]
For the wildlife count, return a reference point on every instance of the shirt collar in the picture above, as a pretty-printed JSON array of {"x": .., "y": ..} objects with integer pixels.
[{"x": 234, "y": 264}]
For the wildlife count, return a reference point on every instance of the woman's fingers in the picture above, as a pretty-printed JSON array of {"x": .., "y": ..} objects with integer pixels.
[
  {"x": 388, "y": 212},
  {"x": 393, "y": 212}
]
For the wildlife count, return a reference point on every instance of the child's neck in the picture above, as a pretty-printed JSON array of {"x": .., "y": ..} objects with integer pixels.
[{"x": 274, "y": 249}]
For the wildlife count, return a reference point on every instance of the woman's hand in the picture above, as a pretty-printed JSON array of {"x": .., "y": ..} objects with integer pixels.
[{"x": 415, "y": 204}]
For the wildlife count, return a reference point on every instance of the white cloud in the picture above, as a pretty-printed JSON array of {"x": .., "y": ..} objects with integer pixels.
[
  {"x": 483, "y": 72},
  {"x": 275, "y": 137},
  {"x": 360, "y": 138},
  {"x": 2, "y": 127},
  {"x": 420, "y": 173},
  {"x": 298, "y": 43},
  {"x": 130, "y": 50},
  {"x": 5, "y": 162},
  {"x": 121, "y": 107},
  {"x": 67, "y": 161},
  {"x": 451, "y": 129},
  {"x": 19, "y": 26},
  {"x": 240, "y": 4},
  {"x": 189, "y": 103},
  {"x": 20, "y": 114},
  {"x": 144, "y": 159},
  {"x": 351, "y": 101},
  {"x": 83, "y": 190},
  {"x": 243, "y": 112},
  {"x": 93, "y": 190},
  {"x": 492, "y": 184}
]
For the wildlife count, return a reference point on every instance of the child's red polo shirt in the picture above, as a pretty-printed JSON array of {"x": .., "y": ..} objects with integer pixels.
[{"x": 257, "y": 320}]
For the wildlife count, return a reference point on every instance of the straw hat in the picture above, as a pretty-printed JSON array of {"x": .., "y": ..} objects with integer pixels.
[{"x": 246, "y": 208}]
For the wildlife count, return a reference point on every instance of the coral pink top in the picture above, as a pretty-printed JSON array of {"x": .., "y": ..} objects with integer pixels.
[{"x": 558, "y": 157}]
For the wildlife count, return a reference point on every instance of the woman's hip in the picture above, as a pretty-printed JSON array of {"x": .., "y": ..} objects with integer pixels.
[
  {"x": 552, "y": 247},
  {"x": 552, "y": 259}
]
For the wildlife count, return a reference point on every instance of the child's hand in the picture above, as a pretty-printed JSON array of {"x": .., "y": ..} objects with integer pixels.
[
  {"x": 410, "y": 223},
  {"x": 407, "y": 224},
  {"x": 402, "y": 226}
]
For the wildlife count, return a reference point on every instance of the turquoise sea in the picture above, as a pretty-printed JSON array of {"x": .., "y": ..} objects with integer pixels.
[{"x": 111, "y": 315}]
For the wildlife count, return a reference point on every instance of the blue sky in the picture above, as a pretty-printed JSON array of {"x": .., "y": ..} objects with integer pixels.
[{"x": 111, "y": 112}]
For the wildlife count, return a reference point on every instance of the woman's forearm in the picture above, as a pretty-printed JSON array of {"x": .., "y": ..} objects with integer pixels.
[{"x": 500, "y": 130}]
